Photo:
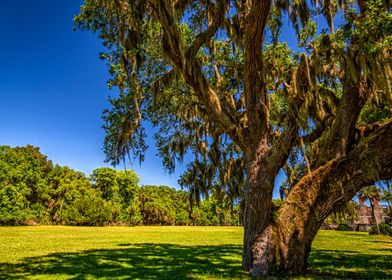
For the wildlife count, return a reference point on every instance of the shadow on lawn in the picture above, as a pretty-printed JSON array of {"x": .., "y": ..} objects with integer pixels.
[
  {"x": 130, "y": 261},
  {"x": 350, "y": 265},
  {"x": 167, "y": 261}
]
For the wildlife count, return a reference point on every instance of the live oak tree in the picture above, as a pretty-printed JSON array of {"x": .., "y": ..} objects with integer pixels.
[{"x": 215, "y": 80}]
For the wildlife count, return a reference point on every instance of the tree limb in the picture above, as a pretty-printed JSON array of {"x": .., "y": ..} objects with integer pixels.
[{"x": 191, "y": 70}]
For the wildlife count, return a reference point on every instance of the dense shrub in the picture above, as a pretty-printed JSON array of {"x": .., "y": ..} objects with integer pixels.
[
  {"x": 88, "y": 210},
  {"x": 384, "y": 229}
]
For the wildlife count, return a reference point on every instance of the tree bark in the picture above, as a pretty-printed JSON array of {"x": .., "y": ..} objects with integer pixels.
[{"x": 257, "y": 217}]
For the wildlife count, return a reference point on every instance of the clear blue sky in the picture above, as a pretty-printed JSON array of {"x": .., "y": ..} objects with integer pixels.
[{"x": 53, "y": 88}]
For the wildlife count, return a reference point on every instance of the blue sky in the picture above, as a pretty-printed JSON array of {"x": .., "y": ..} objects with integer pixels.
[{"x": 53, "y": 88}]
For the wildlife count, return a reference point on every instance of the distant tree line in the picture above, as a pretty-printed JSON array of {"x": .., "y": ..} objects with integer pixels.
[{"x": 34, "y": 191}]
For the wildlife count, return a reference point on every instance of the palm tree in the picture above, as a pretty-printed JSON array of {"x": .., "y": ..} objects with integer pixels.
[
  {"x": 387, "y": 196},
  {"x": 371, "y": 193},
  {"x": 387, "y": 192}
]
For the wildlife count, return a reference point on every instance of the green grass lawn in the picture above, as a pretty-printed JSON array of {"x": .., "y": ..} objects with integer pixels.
[{"x": 56, "y": 252}]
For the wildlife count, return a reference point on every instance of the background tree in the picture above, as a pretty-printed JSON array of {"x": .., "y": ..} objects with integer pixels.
[
  {"x": 162, "y": 205},
  {"x": 386, "y": 187},
  {"x": 387, "y": 196},
  {"x": 119, "y": 189},
  {"x": 208, "y": 76},
  {"x": 22, "y": 184},
  {"x": 71, "y": 200}
]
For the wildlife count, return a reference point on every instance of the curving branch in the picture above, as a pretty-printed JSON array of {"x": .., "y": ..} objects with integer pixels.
[
  {"x": 217, "y": 18},
  {"x": 191, "y": 70}
]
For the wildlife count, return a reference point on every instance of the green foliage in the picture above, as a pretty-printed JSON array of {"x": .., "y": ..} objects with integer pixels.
[
  {"x": 32, "y": 190},
  {"x": 13, "y": 206},
  {"x": 156, "y": 205},
  {"x": 370, "y": 193},
  {"x": 385, "y": 229},
  {"x": 64, "y": 187},
  {"x": 118, "y": 189},
  {"x": 389, "y": 212},
  {"x": 22, "y": 182},
  {"x": 376, "y": 111},
  {"x": 88, "y": 210}
]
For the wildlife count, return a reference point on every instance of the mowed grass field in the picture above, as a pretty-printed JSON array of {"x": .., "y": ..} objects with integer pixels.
[{"x": 57, "y": 252}]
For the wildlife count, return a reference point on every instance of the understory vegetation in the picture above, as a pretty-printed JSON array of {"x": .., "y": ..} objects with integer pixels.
[{"x": 34, "y": 191}]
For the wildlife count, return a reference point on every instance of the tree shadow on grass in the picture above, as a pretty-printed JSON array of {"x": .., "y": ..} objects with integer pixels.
[
  {"x": 133, "y": 261},
  {"x": 350, "y": 265},
  {"x": 168, "y": 261}
]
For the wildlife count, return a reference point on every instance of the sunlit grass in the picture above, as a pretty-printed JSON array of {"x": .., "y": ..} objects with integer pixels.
[{"x": 54, "y": 252}]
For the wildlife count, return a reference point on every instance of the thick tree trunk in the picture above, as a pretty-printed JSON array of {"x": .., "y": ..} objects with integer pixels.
[
  {"x": 284, "y": 243},
  {"x": 257, "y": 217}
]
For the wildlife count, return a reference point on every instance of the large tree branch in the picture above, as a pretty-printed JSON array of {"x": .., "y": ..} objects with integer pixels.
[
  {"x": 341, "y": 136},
  {"x": 336, "y": 182},
  {"x": 332, "y": 185},
  {"x": 190, "y": 67},
  {"x": 370, "y": 160}
]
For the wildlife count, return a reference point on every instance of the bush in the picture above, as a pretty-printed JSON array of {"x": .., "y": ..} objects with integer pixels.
[
  {"x": 344, "y": 227},
  {"x": 88, "y": 210},
  {"x": 384, "y": 229}
]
